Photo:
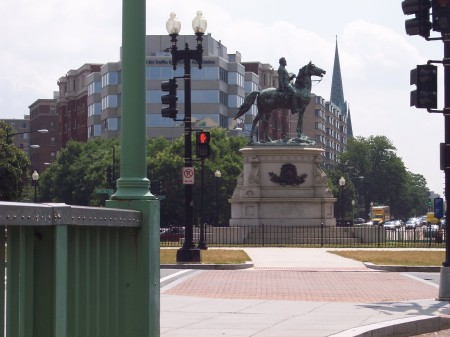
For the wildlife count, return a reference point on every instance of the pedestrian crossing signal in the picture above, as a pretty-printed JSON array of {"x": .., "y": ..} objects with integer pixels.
[{"x": 202, "y": 141}]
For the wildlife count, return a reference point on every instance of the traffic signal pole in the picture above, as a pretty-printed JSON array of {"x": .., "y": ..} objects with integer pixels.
[
  {"x": 188, "y": 252},
  {"x": 446, "y": 62},
  {"x": 444, "y": 284}
]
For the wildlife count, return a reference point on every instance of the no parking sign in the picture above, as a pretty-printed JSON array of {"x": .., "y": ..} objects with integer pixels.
[{"x": 188, "y": 175}]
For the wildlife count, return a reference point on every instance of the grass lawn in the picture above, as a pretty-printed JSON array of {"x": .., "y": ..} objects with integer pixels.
[
  {"x": 213, "y": 256},
  {"x": 398, "y": 258}
]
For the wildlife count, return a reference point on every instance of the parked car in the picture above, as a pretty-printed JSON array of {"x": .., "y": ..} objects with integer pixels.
[
  {"x": 411, "y": 223},
  {"x": 423, "y": 220},
  {"x": 390, "y": 225},
  {"x": 430, "y": 230},
  {"x": 358, "y": 221},
  {"x": 172, "y": 234},
  {"x": 399, "y": 223}
]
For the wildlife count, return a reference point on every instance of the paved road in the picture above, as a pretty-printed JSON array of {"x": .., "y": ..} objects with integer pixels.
[{"x": 293, "y": 292}]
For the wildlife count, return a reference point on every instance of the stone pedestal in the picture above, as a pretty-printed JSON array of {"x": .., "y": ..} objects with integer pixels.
[{"x": 282, "y": 186}]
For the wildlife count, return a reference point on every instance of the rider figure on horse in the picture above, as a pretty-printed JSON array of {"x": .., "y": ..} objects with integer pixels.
[{"x": 285, "y": 89}]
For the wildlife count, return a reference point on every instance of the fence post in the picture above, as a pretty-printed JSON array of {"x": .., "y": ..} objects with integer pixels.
[
  {"x": 263, "y": 234},
  {"x": 321, "y": 234}
]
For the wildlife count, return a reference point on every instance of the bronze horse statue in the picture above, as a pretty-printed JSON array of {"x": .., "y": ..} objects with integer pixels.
[{"x": 270, "y": 99}]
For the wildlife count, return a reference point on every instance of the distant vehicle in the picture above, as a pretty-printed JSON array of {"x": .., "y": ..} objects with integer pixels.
[
  {"x": 411, "y": 223},
  {"x": 399, "y": 223},
  {"x": 423, "y": 220},
  {"x": 380, "y": 214},
  {"x": 358, "y": 221},
  {"x": 390, "y": 225},
  {"x": 430, "y": 218},
  {"x": 172, "y": 234},
  {"x": 430, "y": 230}
]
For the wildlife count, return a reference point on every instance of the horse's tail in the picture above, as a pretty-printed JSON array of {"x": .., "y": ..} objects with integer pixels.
[{"x": 247, "y": 104}]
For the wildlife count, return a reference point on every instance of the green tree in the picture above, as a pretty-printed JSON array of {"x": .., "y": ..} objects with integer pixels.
[
  {"x": 386, "y": 180},
  {"x": 14, "y": 167},
  {"x": 165, "y": 162},
  {"x": 79, "y": 170}
]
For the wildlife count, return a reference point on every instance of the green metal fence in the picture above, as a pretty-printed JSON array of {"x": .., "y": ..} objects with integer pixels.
[{"x": 75, "y": 271}]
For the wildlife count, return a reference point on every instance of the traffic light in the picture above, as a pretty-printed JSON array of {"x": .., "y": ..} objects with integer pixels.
[
  {"x": 441, "y": 16},
  {"x": 156, "y": 187},
  {"x": 171, "y": 98},
  {"x": 202, "y": 141},
  {"x": 421, "y": 24},
  {"x": 425, "y": 78}
]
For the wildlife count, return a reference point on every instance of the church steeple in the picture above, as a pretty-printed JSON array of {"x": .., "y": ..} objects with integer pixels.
[{"x": 337, "y": 91}]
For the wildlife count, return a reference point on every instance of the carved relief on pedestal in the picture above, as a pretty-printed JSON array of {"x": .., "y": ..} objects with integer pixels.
[
  {"x": 320, "y": 178},
  {"x": 254, "y": 175}
]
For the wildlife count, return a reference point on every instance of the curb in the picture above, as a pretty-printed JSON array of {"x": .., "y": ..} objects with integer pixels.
[
  {"x": 424, "y": 269},
  {"x": 208, "y": 266},
  {"x": 410, "y": 326}
]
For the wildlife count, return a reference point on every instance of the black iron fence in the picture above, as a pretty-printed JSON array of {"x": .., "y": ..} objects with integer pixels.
[{"x": 315, "y": 236}]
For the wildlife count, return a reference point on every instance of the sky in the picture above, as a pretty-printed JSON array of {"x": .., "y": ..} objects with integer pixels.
[{"x": 42, "y": 40}]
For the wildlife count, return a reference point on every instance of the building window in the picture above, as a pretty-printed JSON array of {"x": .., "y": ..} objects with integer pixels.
[
  {"x": 94, "y": 109},
  {"x": 110, "y": 101},
  {"x": 95, "y": 130},
  {"x": 52, "y": 141},
  {"x": 94, "y": 88},
  {"x": 250, "y": 86},
  {"x": 112, "y": 124},
  {"x": 163, "y": 73},
  {"x": 110, "y": 78},
  {"x": 157, "y": 121},
  {"x": 223, "y": 98},
  {"x": 235, "y": 78},
  {"x": 235, "y": 101},
  {"x": 205, "y": 74},
  {"x": 205, "y": 96},
  {"x": 223, "y": 74}
]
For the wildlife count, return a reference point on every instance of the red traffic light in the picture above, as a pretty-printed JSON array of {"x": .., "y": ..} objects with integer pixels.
[{"x": 203, "y": 137}]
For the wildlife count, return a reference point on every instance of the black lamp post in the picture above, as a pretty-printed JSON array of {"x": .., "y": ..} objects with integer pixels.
[
  {"x": 341, "y": 185},
  {"x": 217, "y": 174},
  {"x": 188, "y": 252},
  {"x": 34, "y": 182}
]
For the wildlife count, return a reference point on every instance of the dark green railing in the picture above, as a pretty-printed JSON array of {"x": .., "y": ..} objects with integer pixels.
[
  {"x": 316, "y": 236},
  {"x": 76, "y": 271}
]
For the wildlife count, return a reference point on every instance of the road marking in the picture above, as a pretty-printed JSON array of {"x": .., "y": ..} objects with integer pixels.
[{"x": 174, "y": 275}]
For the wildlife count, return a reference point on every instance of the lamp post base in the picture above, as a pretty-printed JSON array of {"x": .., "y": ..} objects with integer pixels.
[
  {"x": 444, "y": 285},
  {"x": 188, "y": 255}
]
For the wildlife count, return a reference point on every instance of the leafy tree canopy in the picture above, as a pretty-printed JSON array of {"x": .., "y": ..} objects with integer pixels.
[
  {"x": 14, "y": 167},
  {"x": 375, "y": 174}
]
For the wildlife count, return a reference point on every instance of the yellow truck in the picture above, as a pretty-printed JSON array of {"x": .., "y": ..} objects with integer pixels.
[
  {"x": 431, "y": 219},
  {"x": 380, "y": 214}
]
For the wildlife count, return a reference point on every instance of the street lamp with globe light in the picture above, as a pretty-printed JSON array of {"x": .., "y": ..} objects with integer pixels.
[{"x": 188, "y": 252}]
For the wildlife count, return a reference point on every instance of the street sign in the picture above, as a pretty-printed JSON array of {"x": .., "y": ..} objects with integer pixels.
[
  {"x": 188, "y": 175},
  {"x": 439, "y": 208},
  {"x": 108, "y": 191}
]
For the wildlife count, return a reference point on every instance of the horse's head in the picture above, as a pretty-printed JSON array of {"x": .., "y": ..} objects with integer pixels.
[{"x": 312, "y": 70}]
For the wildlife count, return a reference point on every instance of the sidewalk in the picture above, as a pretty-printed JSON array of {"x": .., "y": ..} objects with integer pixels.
[{"x": 299, "y": 292}]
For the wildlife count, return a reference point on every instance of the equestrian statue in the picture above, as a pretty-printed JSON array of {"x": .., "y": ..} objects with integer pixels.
[{"x": 295, "y": 97}]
